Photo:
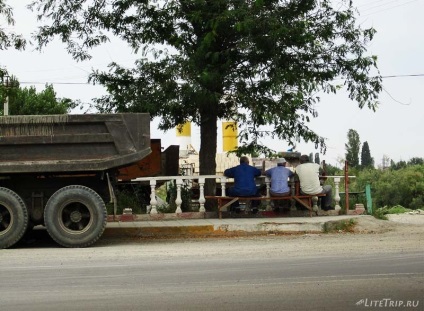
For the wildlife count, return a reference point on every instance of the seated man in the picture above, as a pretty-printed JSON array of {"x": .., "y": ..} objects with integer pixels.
[
  {"x": 279, "y": 176},
  {"x": 308, "y": 174},
  {"x": 244, "y": 181}
]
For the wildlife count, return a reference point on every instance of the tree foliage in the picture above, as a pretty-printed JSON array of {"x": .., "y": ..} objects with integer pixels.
[
  {"x": 403, "y": 164},
  {"x": 416, "y": 161},
  {"x": 391, "y": 187},
  {"x": 258, "y": 62},
  {"x": 332, "y": 170},
  {"x": 317, "y": 160},
  {"x": 8, "y": 38},
  {"x": 398, "y": 165},
  {"x": 27, "y": 101},
  {"x": 352, "y": 148},
  {"x": 366, "y": 159}
]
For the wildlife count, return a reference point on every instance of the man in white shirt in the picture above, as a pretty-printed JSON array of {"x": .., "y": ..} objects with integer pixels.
[{"x": 308, "y": 174}]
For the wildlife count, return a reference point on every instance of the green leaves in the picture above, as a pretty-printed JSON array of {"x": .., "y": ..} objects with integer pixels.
[
  {"x": 352, "y": 148},
  {"x": 391, "y": 187},
  {"x": 27, "y": 101},
  {"x": 261, "y": 63},
  {"x": 7, "y": 38}
]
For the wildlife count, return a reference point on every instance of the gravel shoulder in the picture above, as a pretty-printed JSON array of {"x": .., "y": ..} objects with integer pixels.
[
  {"x": 400, "y": 235},
  {"x": 369, "y": 235}
]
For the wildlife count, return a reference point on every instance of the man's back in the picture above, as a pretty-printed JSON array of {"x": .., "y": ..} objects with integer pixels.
[
  {"x": 244, "y": 178},
  {"x": 309, "y": 178},
  {"x": 279, "y": 179}
]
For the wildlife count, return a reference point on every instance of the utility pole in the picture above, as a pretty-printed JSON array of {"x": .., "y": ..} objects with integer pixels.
[{"x": 6, "y": 103}]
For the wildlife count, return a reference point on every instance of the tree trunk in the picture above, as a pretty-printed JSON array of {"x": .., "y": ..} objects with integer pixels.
[{"x": 207, "y": 153}]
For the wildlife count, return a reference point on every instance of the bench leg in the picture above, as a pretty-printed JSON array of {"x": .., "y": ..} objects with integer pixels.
[
  {"x": 307, "y": 205},
  {"x": 220, "y": 206},
  {"x": 315, "y": 207}
]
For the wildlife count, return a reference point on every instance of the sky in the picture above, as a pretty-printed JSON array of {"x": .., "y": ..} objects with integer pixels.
[{"x": 394, "y": 131}]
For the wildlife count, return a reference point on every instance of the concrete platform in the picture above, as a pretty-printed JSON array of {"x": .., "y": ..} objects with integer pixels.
[{"x": 180, "y": 227}]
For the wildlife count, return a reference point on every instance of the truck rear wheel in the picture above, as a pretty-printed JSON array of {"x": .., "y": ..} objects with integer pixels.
[
  {"x": 13, "y": 218},
  {"x": 75, "y": 216}
]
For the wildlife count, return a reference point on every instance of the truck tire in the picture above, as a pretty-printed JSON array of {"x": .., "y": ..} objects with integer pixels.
[
  {"x": 75, "y": 216},
  {"x": 13, "y": 218}
]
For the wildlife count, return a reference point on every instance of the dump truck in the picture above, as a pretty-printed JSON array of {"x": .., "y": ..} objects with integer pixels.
[{"x": 60, "y": 171}]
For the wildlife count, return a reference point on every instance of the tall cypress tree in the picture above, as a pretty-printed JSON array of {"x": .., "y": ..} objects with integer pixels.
[
  {"x": 366, "y": 159},
  {"x": 352, "y": 148}
]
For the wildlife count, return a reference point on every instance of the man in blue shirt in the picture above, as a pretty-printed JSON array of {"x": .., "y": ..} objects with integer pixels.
[
  {"x": 244, "y": 181},
  {"x": 279, "y": 176}
]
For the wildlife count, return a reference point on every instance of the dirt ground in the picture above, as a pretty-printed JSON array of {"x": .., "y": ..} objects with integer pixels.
[
  {"x": 401, "y": 233},
  {"x": 369, "y": 235},
  {"x": 395, "y": 222}
]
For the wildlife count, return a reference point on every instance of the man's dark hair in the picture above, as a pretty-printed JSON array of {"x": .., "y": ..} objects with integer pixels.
[
  {"x": 244, "y": 160},
  {"x": 304, "y": 158}
]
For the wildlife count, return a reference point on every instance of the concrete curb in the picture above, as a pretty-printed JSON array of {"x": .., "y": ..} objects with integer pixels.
[{"x": 225, "y": 227}]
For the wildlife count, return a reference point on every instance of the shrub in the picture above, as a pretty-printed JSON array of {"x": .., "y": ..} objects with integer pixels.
[{"x": 381, "y": 213}]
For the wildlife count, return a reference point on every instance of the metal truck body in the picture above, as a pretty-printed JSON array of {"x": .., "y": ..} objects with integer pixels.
[{"x": 60, "y": 170}]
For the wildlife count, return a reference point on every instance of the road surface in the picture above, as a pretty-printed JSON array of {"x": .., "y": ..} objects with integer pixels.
[{"x": 305, "y": 272}]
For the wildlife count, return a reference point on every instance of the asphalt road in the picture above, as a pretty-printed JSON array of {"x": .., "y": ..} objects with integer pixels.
[{"x": 258, "y": 273}]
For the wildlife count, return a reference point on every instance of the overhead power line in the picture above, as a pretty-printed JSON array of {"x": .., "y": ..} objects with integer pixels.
[
  {"x": 404, "y": 76},
  {"x": 391, "y": 5},
  {"x": 63, "y": 83},
  {"x": 86, "y": 83}
]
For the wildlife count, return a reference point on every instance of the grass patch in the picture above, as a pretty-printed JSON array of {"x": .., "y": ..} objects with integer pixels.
[
  {"x": 339, "y": 226},
  {"x": 380, "y": 213}
]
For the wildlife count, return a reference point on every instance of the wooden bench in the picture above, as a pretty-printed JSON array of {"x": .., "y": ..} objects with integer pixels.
[{"x": 308, "y": 201}]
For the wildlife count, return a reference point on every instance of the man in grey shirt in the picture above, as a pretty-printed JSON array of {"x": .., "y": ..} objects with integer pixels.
[{"x": 308, "y": 174}]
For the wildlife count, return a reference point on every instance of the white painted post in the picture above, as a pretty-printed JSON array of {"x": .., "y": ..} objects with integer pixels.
[
  {"x": 202, "y": 199},
  {"x": 153, "y": 202},
  {"x": 223, "y": 182},
  {"x": 6, "y": 106},
  {"x": 178, "y": 200},
  {"x": 6, "y": 103},
  {"x": 337, "y": 194},
  {"x": 315, "y": 207},
  {"x": 268, "y": 186}
]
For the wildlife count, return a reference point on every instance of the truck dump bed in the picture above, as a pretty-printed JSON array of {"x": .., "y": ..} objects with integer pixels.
[{"x": 77, "y": 143}]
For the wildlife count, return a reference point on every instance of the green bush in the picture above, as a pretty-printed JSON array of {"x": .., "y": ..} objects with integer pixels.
[
  {"x": 381, "y": 212},
  {"x": 404, "y": 187}
]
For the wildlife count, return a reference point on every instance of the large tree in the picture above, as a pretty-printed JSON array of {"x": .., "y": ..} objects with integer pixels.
[
  {"x": 352, "y": 148},
  {"x": 366, "y": 160},
  {"x": 258, "y": 62}
]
